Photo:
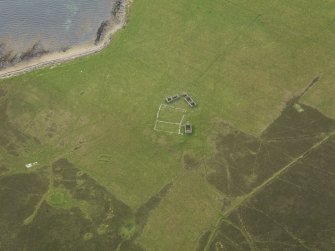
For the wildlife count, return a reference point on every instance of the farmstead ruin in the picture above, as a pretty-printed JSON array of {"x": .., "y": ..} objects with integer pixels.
[{"x": 170, "y": 119}]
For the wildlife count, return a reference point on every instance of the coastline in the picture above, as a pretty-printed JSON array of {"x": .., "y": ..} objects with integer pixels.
[{"x": 54, "y": 58}]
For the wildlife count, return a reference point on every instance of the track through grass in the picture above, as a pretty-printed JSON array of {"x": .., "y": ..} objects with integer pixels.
[{"x": 240, "y": 201}]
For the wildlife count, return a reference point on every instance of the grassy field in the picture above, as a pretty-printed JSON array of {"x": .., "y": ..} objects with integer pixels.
[{"x": 241, "y": 62}]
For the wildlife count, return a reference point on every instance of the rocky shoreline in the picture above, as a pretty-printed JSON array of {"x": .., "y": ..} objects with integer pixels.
[{"x": 37, "y": 57}]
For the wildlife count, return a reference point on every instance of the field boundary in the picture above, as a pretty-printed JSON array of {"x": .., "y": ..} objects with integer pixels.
[{"x": 179, "y": 123}]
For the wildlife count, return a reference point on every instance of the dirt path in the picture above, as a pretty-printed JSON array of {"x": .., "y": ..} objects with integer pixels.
[{"x": 73, "y": 53}]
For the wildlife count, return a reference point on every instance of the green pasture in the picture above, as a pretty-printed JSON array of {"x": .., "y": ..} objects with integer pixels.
[{"x": 240, "y": 61}]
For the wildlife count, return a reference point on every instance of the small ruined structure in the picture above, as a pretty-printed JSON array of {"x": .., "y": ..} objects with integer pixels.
[
  {"x": 170, "y": 99},
  {"x": 188, "y": 128},
  {"x": 189, "y": 100}
]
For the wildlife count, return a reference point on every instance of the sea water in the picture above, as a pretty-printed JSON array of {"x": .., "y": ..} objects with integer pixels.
[{"x": 50, "y": 25}]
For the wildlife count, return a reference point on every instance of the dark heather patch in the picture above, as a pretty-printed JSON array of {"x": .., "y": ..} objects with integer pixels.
[
  {"x": 53, "y": 229},
  {"x": 244, "y": 161},
  {"x": 92, "y": 222},
  {"x": 190, "y": 162},
  {"x": 231, "y": 238},
  {"x": 84, "y": 188},
  {"x": 64, "y": 173},
  {"x": 142, "y": 214},
  {"x": 59, "y": 229},
  {"x": 19, "y": 193},
  {"x": 295, "y": 211},
  {"x": 203, "y": 241}
]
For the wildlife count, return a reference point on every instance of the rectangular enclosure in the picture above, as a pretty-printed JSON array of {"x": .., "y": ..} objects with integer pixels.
[
  {"x": 169, "y": 119},
  {"x": 170, "y": 113},
  {"x": 167, "y": 127}
]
